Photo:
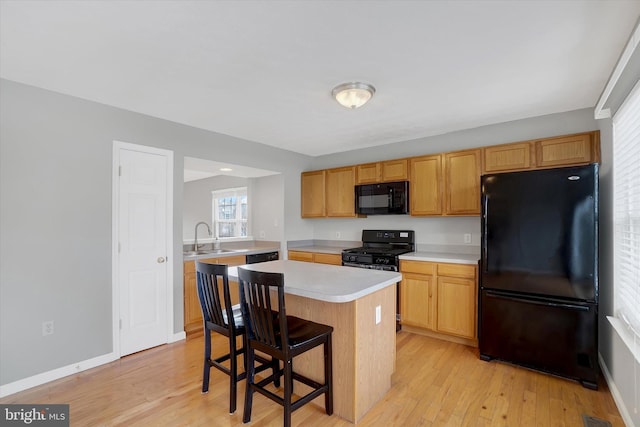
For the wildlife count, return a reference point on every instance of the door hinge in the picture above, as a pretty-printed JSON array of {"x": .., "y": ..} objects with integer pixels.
[
  {"x": 119, "y": 170},
  {"x": 119, "y": 247},
  {"x": 120, "y": 323}
]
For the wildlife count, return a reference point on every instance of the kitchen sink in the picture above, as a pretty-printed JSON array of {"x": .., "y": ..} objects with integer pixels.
[{"x": 207, "y": 251}]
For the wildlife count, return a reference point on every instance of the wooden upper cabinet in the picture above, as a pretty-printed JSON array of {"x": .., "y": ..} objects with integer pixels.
[
  {"x": 395, "y": 170},
  {"x": 425, "y": 185},
  {"x": 508, "y": 157},
  {"x": 388, "y": 171},
  {"x": 313, "y": 194},
  {"x": 575, "y": 149},
  {"x": 461, "y": 170},
  {"x": 340, "y": 196}
]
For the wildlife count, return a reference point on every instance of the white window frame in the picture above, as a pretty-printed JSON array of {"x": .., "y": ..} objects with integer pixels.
[
  {"x": 238, "y": 193},
  {"x": 626, "y": 218}
]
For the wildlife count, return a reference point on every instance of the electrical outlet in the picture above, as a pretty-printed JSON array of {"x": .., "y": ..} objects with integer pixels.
[
  {"x": 337, "y": 234},
  {"x": 378, "y": 314},
  {"x": 47, "y": 327},
  {"x": 467, "y": 238}
]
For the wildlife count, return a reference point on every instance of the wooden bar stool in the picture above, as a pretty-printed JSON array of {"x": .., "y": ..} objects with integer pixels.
[
  {"x": 220, "y": 316},
  {"x": 272, "y": 332}
]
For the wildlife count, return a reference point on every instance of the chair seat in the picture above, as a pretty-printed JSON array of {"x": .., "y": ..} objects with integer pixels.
[
  {"x": 237, "y": 315},
  {"x": 303, "y": 331}
]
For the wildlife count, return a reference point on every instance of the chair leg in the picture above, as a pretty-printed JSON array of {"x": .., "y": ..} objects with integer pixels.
[
  {"x": 207, "y": 361},
  {"x": 233, "y": 375},
  {"x": 275, "y": 367},
  {"x": 288, "y": 391},
  {"x": 248, "y": 393},
  {"x": 328, "y": 376}
]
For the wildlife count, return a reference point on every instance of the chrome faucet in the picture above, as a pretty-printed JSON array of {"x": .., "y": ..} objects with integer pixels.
[{"x": 195, "y": 243}]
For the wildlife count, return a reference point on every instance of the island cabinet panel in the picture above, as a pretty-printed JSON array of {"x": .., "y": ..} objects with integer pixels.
[
  {"x": 425, "y": 188},
  {"x": 508, "y": 157},
  {"x": 568, "y": 150},
  {"x": 439, "y": 299},
  {"x": 461, "y": 171},
  {"x": 340, "y": 195},
  {"x": 313, "y": 194},
  {"x": 192, "y": 310},
  {"x": 363, "y": 351}
]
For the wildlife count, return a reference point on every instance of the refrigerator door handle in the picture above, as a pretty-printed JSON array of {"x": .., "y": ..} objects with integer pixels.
[
  {"x": 485, "y": 212},
  {"x": 538, "y": 302}
]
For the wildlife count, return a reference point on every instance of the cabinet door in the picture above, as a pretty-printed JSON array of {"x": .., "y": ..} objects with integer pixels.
[
  {"x": 395, "y": 170},
  {"x": 462, "y": 182},
  {"x": 566, "y": 150},
  {"x": 368, "y": 173},
  {"x": 301, "y": 256},
  {"x": 340, "y": 198},
  {"x": 457, "y": 306},
  {"x": 417, "y": 300},
  {"x": 509, "y": 157},
  {"x": 425, "y": 185},
  {"x": 313, "y": 194},
  {"x": 192, "y": 310}
]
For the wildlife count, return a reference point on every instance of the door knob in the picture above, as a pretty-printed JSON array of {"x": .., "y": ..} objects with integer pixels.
[{"x": 160, "y": 260}]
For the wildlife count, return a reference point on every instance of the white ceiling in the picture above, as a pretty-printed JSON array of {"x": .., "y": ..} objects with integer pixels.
[
  {"x": 195, "y": 169},
  {"x": 264, "y": 70}
]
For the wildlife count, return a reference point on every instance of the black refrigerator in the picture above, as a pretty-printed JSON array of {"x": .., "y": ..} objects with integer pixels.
[{"x": 538, "y": 298}]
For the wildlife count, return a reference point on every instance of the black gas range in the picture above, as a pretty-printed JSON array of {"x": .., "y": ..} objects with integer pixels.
[{"x": 380, "y": 249}]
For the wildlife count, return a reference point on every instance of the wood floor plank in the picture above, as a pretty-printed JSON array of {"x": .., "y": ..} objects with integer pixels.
[{"x": 436, "y": 383}]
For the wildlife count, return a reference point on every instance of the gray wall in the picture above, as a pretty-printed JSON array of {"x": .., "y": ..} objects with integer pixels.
[
  {"x": 196, "y": 202},
  {"x": 266, "y": 205},
  {"x": 55, "y": 218}
]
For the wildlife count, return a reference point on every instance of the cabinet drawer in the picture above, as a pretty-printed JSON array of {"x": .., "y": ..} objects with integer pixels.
[
  {"x": 333, "y": 259},
  {"x": 301, "y": 256},
  {"x": 457, "y": 270},
  {"x": 420, "y": 267}
]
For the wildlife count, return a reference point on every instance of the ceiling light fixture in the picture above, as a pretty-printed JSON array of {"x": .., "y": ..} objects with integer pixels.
[
  {"x": 353, "y": 95},
  {"x": 226, "y": 169}
]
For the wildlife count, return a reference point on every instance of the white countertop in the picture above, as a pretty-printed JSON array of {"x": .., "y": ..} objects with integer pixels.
[
  {"x": 249, "y": 250},
  {"x": 330, "y": 283},
  {"x": 455, "y": 258}
]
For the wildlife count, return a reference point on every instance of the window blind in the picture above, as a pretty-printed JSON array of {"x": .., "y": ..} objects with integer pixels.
[{"x": 626, "y": 206}]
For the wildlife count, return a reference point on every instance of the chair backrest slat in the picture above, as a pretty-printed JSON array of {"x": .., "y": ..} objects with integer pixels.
[
  {"x": 212, "y": 302},
  {"x": 267, "y": 318}
]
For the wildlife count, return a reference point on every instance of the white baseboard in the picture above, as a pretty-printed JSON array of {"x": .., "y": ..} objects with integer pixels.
[
  {"x": 617, "y": 398},
  {"x": 45, "y": 377},
  {"x": 55, "y": 374},
  {"x": 178, "y": 337}
]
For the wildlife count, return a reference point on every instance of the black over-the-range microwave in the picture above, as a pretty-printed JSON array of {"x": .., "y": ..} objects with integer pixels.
[{"x": 387, "y": 198}]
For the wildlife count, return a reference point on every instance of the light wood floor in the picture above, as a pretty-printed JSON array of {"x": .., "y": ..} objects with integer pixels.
[{"x": 436, "y": 383}]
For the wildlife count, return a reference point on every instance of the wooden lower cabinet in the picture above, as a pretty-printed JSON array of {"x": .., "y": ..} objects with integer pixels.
[
  {"x": 192, "y": 310},
  {"x": 318, "y": 257},
  {"x": 439, "y": 298}
]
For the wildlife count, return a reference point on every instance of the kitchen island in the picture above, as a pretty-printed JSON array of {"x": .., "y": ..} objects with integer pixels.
[{"x": 364, "y": 342}]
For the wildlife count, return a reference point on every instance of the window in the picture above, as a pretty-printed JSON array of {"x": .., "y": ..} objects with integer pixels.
[
  {"x": 230, "y": 213},
  {"x": 626, "y": 211}
]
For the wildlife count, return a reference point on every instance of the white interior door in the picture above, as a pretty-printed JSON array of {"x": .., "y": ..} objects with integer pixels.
[{"x": 142, "y": 232}]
